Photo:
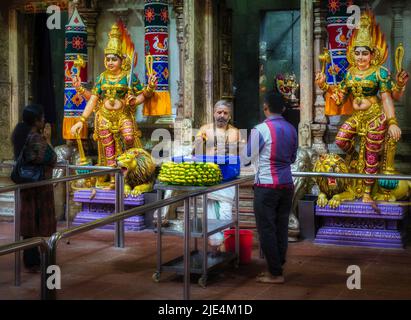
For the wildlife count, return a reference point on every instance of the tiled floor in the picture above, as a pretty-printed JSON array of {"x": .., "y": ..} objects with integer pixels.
[{"x": 93, "y": 269}]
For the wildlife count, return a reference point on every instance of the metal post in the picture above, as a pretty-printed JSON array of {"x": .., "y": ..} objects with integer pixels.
[
  {"x": 119, "y": 206},
  {"x": 50, "y": 259},
  {"x": 237, "y": 222},
  {"x": 195, "y": 224},
  {"x": 67, "y": 207},
  {"x": 205, "y": 237},
  {"x": 187, "y": 253},
  {"x": 43, "y": 278},
  {"x": 159, "y": 196},
  {"x": 17, "y": 255}
]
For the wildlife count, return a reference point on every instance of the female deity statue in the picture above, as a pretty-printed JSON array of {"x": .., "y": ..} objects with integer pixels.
[
  {"x": 114, "y": 99},
  {"x": 370, "y": 88}
]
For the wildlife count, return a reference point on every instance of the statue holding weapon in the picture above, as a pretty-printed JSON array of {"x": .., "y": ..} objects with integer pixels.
[{"x": 114, "y": 98}]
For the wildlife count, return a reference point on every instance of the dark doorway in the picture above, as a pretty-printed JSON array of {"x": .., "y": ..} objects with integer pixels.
[
  {"x": 279, "y": 53},
  {"x": 45, "y": 69}
]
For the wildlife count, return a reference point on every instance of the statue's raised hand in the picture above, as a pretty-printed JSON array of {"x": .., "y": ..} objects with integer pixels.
[
  {"x": 76, "y": 129},
  {"x": 76, "y": 81},
  {"x": 320, "y": 79},
  {"x": 402, "y": 78},
  {"x": 152, "y": 81}
]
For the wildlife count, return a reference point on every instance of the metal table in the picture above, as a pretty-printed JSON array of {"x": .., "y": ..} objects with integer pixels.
[{"x": 201, "y": 262}]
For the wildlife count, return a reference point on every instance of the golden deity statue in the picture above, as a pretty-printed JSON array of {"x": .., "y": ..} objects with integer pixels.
[
  {"x": 114, "y": 98},
  {"x": 369, "y": 91}
]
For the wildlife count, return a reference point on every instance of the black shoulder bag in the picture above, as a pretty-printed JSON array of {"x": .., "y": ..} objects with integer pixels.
[{"x": 23, "y": 172}]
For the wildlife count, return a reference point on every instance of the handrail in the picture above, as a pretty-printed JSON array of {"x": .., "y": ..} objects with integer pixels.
[
  {"x": 53, "y": 240},
  {"x": 352, "y": 175},
  {"x": 119, "y": 185},
  {"x": 144, "y": 208},
  {"x": 22, "y": 245},
  {"x": 61, "y": 165},
  {"x": 27, "y": 244},
  {"x": 57, "y": 180}
]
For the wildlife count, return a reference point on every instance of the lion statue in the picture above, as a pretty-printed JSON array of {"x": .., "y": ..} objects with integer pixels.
[
  {"x": 138, "y": 168},
  {"x": 336, "y": 190}
]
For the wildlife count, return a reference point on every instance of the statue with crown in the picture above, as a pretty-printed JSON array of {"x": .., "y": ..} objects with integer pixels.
[
  {"x": 370, "y": 134},
  {"x": 365, "y": 212},
  {"x": 114, "y": 98}
]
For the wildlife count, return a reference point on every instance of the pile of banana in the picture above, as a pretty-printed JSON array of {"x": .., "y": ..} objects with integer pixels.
[{"x": 190, "y": 173}]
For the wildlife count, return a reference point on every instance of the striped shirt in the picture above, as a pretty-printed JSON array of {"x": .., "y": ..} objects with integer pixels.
[{"x": 277, "y": 150}]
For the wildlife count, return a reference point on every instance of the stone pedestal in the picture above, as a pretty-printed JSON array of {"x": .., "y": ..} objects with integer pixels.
[
  {"x": 357, "y": 223},
  {"x": 102, "y": 206}
]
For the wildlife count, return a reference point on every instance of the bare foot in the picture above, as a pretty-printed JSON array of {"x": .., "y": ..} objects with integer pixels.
[{"x": 268, "y": 278}]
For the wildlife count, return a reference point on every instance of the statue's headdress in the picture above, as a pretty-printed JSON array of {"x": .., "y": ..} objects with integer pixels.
[
  {"x": 368, "y": 35},
  {"x": 120, "y": 44}
]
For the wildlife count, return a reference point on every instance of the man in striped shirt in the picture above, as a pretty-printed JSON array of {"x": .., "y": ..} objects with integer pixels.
[{"x": 273, "y": 185}]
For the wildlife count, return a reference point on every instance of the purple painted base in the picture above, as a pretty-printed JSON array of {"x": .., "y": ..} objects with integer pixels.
[
  {"x": 357, "y": 224},
  {"x": 102, "y": 205}
]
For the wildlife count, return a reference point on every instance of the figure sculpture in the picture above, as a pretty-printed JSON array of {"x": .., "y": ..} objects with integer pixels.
[
  {"x": 371, "y": 91},
  {"x": 114, "y": 98}
]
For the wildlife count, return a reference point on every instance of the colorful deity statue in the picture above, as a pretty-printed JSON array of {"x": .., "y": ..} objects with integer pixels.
[
  {"x": 114, "y": 98},
  {"x": 370, "y": 91}
]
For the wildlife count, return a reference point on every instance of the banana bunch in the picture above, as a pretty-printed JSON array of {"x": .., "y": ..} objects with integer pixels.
[{"x": 190, "y": 173}]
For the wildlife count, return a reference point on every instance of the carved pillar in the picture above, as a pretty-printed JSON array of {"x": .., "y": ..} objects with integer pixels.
[
  {"x": 182, "y": 125},
  {"x": 178, "y": 6},
  {"x": 5, "y": 93},
  {"x": 90, "y": 17},
  {"x": 397, "y": 38},
  {"x": 209, "y": 62},
  {"x": 13, "y": 49},
  {"x": 320, "y": 121},
  {"x": 189, "y": 52},
  {"x": 306, "y": 74}
]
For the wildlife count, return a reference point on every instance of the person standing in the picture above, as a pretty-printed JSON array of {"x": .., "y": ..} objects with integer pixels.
[
  {"x": 37, "y": 214},
  {"x": 273, "y": 186}
]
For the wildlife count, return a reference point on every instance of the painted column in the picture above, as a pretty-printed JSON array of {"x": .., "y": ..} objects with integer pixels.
[{"x": 306, "y": 73}]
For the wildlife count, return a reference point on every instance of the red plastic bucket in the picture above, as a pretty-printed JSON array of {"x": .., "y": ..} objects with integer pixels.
[{"x": 246, "y": 244}]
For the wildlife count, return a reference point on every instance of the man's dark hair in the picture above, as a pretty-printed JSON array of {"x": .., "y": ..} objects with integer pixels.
[{"x": 275, "y": 102}]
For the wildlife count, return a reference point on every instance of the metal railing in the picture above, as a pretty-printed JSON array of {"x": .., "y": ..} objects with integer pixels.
[
  {"x": 52, "y": 242},
  {"x": 27, "y": 244},
  {"x": 100, "y": 171}
]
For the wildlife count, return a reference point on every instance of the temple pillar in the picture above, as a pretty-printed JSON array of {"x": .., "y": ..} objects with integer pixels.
[
  {"x": 189, "y": 66},
  {"x": 306, "y": 74},
  {"x": 8, "y": 118},
  {"x": 397, "y": 33},
  {"x": 209, "y": 61},
  {"x": 178, "y": 6},
  {"x": 90, "y": 16},
  {"x": 320, "y": 121}
]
